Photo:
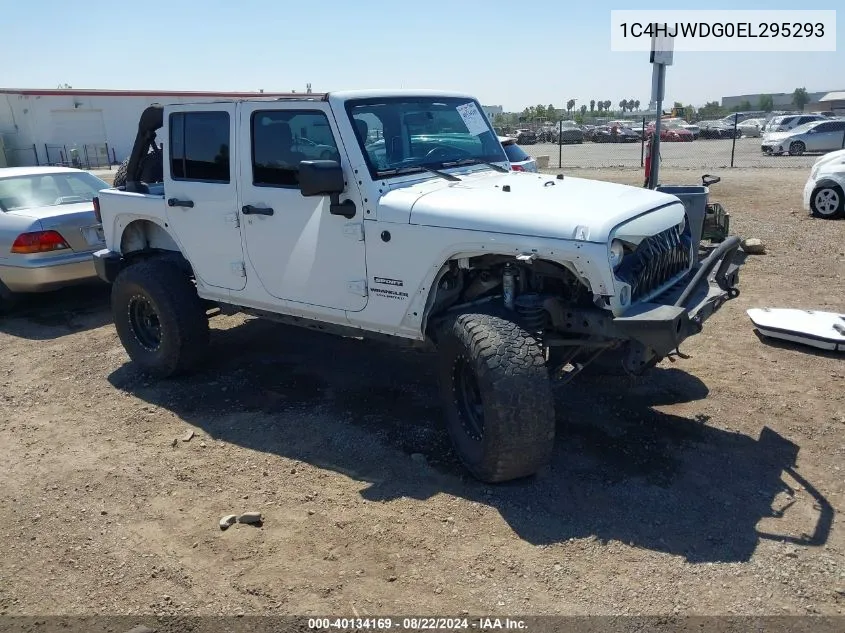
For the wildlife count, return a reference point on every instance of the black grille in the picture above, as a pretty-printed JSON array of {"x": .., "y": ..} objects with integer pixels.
[{"x": 656, "y": 260}]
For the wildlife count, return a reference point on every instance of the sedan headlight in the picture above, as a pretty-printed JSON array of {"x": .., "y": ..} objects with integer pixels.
[{"x": 617, "y": 252}]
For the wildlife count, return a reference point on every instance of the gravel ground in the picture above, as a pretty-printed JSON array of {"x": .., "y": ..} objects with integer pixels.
[{"x": 713, "y": 485}]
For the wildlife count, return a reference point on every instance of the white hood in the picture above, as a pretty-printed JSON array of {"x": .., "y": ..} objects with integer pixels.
[{"x": 537, "y": 205}]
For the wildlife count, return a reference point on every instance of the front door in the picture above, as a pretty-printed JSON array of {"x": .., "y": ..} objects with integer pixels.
[
  {"x": 200, "y": 191},
  {"x": 300, "y": 252}
]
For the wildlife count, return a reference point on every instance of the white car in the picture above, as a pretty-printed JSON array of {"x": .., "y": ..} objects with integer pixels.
[
  {"x": 824, "y": 193},
  {"x": 519, "y": 159},
  {"x": 513, "y": 278},
  {"x": 751, "y": 128},
  {"x": 788, "y": 122}
]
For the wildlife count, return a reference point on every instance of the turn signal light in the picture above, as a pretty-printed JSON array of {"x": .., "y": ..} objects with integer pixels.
[{"x": 39, "y": 242}]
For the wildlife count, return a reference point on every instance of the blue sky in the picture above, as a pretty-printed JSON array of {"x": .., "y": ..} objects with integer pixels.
[{"x": 509, "y": 53}]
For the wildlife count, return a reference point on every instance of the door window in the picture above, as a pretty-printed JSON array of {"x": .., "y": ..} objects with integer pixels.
[
  {"x": 199, "y": 146},
  {"x": 281, "y": 139}
]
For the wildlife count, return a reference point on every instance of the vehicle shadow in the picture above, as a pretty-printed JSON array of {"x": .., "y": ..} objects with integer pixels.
[
  {"x": 51, "y": 315},
  {"x": 621, "y": 470}
]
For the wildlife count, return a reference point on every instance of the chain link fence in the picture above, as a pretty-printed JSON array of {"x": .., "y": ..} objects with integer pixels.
[
  {"x": 573, "y": 146},
  {"x": 86, "y": 156},
  {"x": 20, "y": 156}
]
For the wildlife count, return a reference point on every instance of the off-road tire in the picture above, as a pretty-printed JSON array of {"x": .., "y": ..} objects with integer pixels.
[
  {"x": 829, "y": 209},
  {"x": 151, "y": 170},
  {"x": 514, "y": 391},
  {"x": 181, "y": 318}
]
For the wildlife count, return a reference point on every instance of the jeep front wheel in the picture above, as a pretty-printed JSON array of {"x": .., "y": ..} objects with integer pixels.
[
  {"x": 159, "y": 317},
  {"x": 497, "y": 396}
]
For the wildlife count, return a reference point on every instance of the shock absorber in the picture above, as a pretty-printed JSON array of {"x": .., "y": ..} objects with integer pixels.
[
  {"x": 532, "y": 314},
  {"x": 509, "y": 285}
]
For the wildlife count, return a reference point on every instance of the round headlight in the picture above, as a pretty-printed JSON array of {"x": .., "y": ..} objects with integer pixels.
[{"x": 617, "y": 252}]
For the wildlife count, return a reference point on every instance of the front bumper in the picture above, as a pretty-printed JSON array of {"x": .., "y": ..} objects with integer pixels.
[
  {"x": 42, "y": 275},
  {"x": 808, "y": 192},
  {"x": 656, "y": 328}
]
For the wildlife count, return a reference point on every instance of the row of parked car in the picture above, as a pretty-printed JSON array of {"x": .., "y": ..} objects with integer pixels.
[{"x": 677, "y": 130}]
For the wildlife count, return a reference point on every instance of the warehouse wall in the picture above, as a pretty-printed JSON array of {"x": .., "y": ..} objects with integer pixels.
[{"x": 73, "y": 120}]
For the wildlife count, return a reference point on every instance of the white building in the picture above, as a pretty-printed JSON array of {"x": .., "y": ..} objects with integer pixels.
[
  {"x": 492, "y": 111},
  {"x": 95, "y": 127}
]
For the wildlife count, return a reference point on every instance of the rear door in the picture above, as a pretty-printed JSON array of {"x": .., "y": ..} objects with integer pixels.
[{"x": 201, "y": 193}]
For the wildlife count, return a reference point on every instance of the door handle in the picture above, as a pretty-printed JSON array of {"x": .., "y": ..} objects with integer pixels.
[
  {"x": 173, "y": 202},
  {"x": 251, "y": 210}
]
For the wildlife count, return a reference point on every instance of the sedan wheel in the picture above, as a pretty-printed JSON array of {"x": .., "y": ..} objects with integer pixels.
[
  {"x": 796, "y": 148},
  {"x": 828, "y": 202}
]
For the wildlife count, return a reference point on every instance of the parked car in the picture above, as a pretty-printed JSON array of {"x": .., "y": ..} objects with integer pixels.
[
  {"x": 314, "y": 151},
  {"x": 604, "y": 134},
  {"x": 676, "y": 123},
  {"x": 569, "y": 132},
  {"x": 526, "y": 137},
  {"x": 716, "y": 129},
  {"x": 824, "y": 193},
  {"x": 672, "y": 132},
  {"x": 791, "y": 121},
  {"x": 824, "y": 135},
  {"x": 48, "y": 229},
  {"x": 750, "y": 128},
  {"x": 519, "y": 159}
]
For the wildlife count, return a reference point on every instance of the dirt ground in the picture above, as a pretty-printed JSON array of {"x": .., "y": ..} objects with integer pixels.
[{"x": 713, "y": 485}]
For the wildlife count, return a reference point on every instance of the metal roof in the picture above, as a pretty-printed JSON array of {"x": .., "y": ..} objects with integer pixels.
[
  {"x": 833, "y": 96},
  {"x": 43, "y": 92}
]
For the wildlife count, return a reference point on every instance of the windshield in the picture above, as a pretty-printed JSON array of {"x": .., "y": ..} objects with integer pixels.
[
  {"x": 48, "y": 190},
  {"x": 407, "y": 134},
  {"x": 800, "y": 129}
]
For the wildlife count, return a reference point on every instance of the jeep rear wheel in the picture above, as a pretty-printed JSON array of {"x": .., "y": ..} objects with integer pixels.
[
  {"x": 497, "y": 396},
  {"x": 159, "y": 317}
]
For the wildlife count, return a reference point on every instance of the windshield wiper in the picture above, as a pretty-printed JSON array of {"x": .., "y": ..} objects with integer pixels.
[
  {"x": 475, "y": 161},
  {"x": 413, "y": 168}
]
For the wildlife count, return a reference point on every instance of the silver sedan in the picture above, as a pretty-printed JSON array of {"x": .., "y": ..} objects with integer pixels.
[{"x": 48, "y": 229}]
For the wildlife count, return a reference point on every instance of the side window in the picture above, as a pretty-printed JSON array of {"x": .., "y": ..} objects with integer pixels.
[
  {"x": 825, "y": 127},
  {"x": 281, "y": 139},
  {"x": 199, "y": 146}
]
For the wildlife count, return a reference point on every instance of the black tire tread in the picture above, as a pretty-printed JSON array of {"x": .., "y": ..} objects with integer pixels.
[
  {"x": 515, "y": 387},
  {"x": 185, "y": 330}
]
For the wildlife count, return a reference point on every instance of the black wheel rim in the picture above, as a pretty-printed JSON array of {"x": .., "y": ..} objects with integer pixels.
[
  {"x": 468, "y": 398},
  {"x": 144, "y": 321}
]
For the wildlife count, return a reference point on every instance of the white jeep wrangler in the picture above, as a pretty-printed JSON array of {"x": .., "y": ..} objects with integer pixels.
[{"x": 395, "y": 214}]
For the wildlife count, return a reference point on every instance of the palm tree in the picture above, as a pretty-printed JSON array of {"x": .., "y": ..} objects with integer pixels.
[
  {"x": 637, "y": 105},
  {"x": 607, "y": 105},
  {"x": 592, "y": 105},
  {"x": 623, "y": 105},
  {"x": 569, "y": 105},
  {"x": 583, "y": 110}
]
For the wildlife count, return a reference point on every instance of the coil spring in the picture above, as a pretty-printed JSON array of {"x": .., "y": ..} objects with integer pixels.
[{"x": 531, "y": 312}]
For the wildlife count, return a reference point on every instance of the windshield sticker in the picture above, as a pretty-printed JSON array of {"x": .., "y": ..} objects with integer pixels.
[{"x": 473, "y": 119}]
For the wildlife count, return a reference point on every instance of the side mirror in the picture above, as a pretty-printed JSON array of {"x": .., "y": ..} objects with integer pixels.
[
  {"x": 325, "y": 178},
  {"x": 321, "y": 178}
]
